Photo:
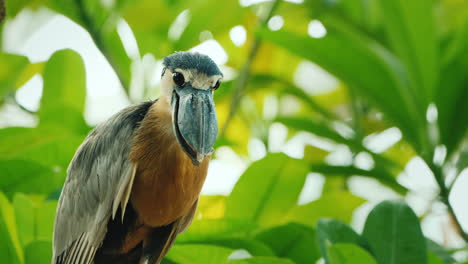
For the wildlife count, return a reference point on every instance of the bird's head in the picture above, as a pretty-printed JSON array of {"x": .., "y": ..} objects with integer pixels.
[{"x": 188, "y": 81}]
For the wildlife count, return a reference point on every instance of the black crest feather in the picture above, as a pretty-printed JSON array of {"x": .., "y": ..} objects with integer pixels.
[{"x": 192, "y": 60}]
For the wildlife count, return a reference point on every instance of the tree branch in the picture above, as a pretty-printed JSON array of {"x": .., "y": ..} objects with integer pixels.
[
  {"x": 98, "y": 40},
  {"x": 444, "y": 196},
  {"x": 241, "y": 83}
]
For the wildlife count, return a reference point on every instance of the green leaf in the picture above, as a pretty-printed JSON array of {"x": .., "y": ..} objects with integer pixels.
[
  {"x": 24, "y": 215},
  {"x": 254, "y": 247},
  {"x": 364, "y": 65},
  {"x": 394, "y": 235},
  {"x": 222, "y": 19},
  {"x": 28, "y": 177},
  {"x": 452, "y": 93},
  {"x": 439, "y": 251},
  {"x": 348, "y": 254},
  {"x": 38, "y": 252},
  {"x": 10, "y": 248},
  {"x": 411, "y": 31},
  {"x": 262, "y": 260},
  {"x": 11, "y": 67},
  {"x": 208, "y": 229},
  {"x": 293, "y": 241},
  {"x": 64, "y": 91},
  {"x": 309, "y": 125},
  {"x": 432, "y": 258},
  {"x": 199, "y": 254},
  {"x": 50, "y": 146},
  {"x": 266, "y": 199},
  {"x": 377, "y": 173},
  {"x": 45, "y": 216},
  {"x": 330, "y": 231},
  {"x": 337, "y": 204}
]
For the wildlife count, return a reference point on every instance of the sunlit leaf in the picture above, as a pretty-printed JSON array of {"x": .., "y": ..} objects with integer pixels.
[
  {"x": 63, "y": 97},
  {"x": 11, "y": 67},
  {"x": 348, "y": 254},
  {"x": 11, "y": 245},
  {"x": 24, "y": 215},
  {"x": 339, "y": 205},
  {"x": 378, "y": 173},
  {"x": 394, "y": 234},
  {"x": 297, "y": 242},
  {"x": 45, "y": 215},
  {"x": 51, "y": 146},
  {"x": 432, "y": 258},
  {"x": 199, "y": 254},
  {"x": 27, "y": 176},
  {"x": 254, "y": 247},
  {"x": 211, "y": 207},
  {"x": 207, "y": 229},
  {"x": 267, "y": 198},
  {"x": 262, "y": 260},
  {"x": 38, "y": 252}
]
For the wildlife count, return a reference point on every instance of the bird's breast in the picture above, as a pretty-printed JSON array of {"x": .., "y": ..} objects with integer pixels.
[
  {"x": 166, "y": 183},
  {"x": 167, "y": 191}
]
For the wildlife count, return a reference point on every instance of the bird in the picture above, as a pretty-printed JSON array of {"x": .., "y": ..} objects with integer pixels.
[{"x": 133, "y": 184}]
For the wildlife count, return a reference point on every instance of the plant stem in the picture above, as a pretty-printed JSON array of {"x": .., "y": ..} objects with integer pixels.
[
  {"x": 444, "y": 196},
  {"x": 98, "y": 40},
  {"x": 2, "y": 10},
  {"x": 241, "y": 83}
]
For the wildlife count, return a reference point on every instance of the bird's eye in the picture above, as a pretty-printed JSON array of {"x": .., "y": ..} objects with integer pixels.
[
  {"x": 178, "y": 78},
  {"x": 216, "y": 86}
]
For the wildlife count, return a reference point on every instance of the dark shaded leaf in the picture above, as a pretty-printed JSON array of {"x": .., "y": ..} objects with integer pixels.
[
  {"x": 330, "y": 231},
  {"x": 293, "y": 241},
  {"x": 394, "y": 235},
  {"x": 439, "y": 251}
]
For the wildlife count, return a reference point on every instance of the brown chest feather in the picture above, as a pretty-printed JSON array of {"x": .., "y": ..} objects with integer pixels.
[{"x": 166, "y": 183}]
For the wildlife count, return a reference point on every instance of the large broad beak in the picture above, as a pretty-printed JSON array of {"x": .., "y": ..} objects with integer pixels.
[{"x": 194, "y": 120}]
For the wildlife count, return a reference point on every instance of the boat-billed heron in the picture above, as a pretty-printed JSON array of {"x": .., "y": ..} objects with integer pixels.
[{"x": 133, "y": 185}]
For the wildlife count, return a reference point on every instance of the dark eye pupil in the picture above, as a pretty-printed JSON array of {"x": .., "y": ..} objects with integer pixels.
[
  {"x": 216, "y": 86},
  {"x": 178, "y": 78}
]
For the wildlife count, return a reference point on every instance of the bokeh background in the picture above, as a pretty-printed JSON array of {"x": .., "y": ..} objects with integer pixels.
[{"x": 328, "y": 108}]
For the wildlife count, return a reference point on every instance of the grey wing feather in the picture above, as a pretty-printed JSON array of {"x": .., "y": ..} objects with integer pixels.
[{"x": 99, "y": 178}]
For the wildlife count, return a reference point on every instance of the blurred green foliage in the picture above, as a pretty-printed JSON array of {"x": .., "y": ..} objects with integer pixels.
[{"x": 394, "y": 60}]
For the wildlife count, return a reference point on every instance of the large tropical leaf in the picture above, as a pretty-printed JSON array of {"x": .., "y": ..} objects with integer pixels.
[
  {"x": 394, "y": 234},
  {"x": 267, "y": 190},
  {"x": 365, "y": 66}
]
